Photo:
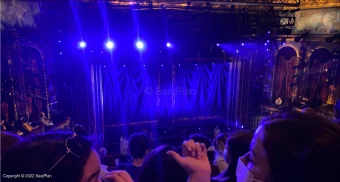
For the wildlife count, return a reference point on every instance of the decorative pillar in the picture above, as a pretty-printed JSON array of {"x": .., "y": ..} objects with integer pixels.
[{"x": 300, "y": 71}]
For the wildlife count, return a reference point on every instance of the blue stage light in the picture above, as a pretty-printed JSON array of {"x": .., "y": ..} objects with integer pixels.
[
  {"x": 140, "y": 45},
  {"x": 82, "y": 44},
  {"x": 218, "y": 44},
  {"x": 168, "y": 44},
  {"x": 109, "y": 44},
  {"x": 242, "y": 44}
]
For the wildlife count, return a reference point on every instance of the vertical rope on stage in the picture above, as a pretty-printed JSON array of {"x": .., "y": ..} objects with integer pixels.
[
  {"x": 157, "y": 95},
  {"x": 98, "y": 102},
  {"x": 173, "y": 95}
]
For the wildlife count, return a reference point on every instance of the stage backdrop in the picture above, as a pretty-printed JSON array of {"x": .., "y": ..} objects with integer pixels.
[{"x": 133, "y": 94}]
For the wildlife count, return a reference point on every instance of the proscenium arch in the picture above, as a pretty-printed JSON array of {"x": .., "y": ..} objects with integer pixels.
[{"x": 290, "y": 46}]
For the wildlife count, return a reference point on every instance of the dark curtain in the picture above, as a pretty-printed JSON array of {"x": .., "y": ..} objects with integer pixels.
[
  {"x": 199, "y": 90},
  {"x": 284, "y": 74},
  {"x": 156, "y": 93},
  {"x": 130, "y": 94}
]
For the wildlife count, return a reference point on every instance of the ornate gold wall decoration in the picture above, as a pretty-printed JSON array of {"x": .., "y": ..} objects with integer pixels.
[{"x": 318, "y": 21}]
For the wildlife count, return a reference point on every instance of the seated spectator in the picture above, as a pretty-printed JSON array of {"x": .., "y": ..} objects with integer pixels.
[
  {"x": 65, "y": 158},
  {"x": 219, "y": 146},
  {"x": 12, "y": 127},
  {"x": 161, "y": 167},
  {"x": 102, "y": 152},
  {"x": 3, "y": 125},
  {"x": 202, "y": 139},
  {"x": 138, "y": 146},
  {"x": 236, "y": 146},
  {"x": 124, "y": 145},
  {"x": 292, "y": 147},
  {"x": 8, "y": 141}
]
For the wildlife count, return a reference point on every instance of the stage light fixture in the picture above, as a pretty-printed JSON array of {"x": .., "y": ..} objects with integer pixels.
[
  {"x": 168, "y": 44},
  {"x": 237, "y": 51},
  {"x": 60, "y": 53},
  {"x": 143, "y": 65},
  {"x": 242, "y": 44},
  {"x": 82, "y": 44},
  {"x": 265, "y": 44},
  {"x": 268, "y": 41},
  {"x": 179, "y": 64},
  {"x": 109, "y": 44},
  {"x": 124, "y": 65},
  {"x": 140, "y": 45},
  {"x": 59, "y": 41},
  {"x": 217, "y": 44}
]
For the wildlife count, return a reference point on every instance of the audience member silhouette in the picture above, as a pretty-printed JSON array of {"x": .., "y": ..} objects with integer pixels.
[
  {"x": 293, "y": 147},
  {"x": 161, "y": 167},
  {"x": 138, "y": 147},
  {"x": 219, "y": 146},
  {"x": 65, "y": 158},
  {"x": 8, "y": 141},
  {"x": 237, "y": 145}
]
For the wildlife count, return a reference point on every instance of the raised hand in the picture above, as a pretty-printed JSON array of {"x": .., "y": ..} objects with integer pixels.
[
  {"x": 118, "y": 176},
  {"x": 195, "y": 161}
]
